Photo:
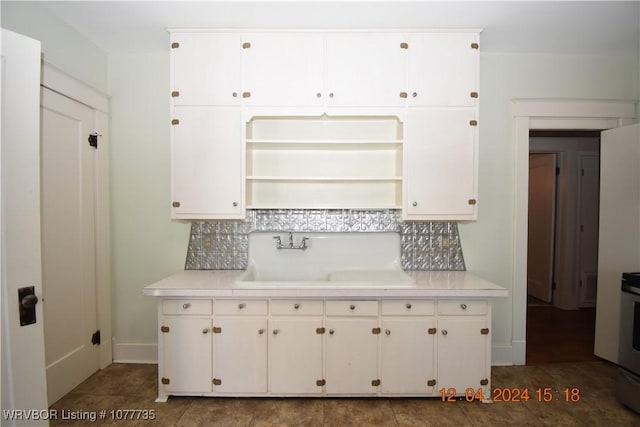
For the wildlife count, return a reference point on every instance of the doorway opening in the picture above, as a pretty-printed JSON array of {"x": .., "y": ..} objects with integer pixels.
[{"x": 562, "y": 245}]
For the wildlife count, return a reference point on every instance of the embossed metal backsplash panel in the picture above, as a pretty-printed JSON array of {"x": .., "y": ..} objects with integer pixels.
[{"x": 224, "y": 245}]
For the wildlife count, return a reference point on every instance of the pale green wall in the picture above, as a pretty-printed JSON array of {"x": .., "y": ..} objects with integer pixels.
[
  {"x": 488, "y": 243},
  {"x": 145, "y": 244},
  {"x": 62, "y": 46}
]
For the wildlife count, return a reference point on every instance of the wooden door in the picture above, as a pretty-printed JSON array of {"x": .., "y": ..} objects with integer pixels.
[
  {"x": 542, "y": 226},
  {"x": 619, "y": 247},
  {"x": 68, "y": 176},
  {"x": 589, "y": 213},
  {"x": 22, "y": 346}
]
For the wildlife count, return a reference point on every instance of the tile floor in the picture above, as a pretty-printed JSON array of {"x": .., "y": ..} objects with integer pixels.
[{"x": 131, "y": 386}]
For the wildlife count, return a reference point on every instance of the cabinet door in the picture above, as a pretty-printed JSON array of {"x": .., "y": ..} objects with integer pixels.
[
  {"x": 462, "y": 353},
  {"x": 205, "y": 69},
  {"x": 207, "y": 163},
  {"x": 443, "y": 69},
  {"x": 351, "y": 356},
  {"x": 192, "y": 337},
  {"x": 365, "y": 69},
  {"x": 440, "y": 164},
  {"x": 283, "y": 69},
  {"x": 407, "y": 355},
  {"x": 240, "y": 355},
  {"x": 295, "y": 353}
]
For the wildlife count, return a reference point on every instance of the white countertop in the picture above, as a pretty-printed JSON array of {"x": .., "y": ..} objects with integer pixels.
[{"x": 222, "y": 283}]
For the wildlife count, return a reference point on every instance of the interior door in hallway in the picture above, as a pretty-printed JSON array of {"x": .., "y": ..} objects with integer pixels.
[
  {"x": 68, "y": 242},
  {"x": 542, "y": 224}
]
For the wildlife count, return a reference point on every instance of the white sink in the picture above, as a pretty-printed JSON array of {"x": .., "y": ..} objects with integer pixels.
[{"x": 331, "y": 260}]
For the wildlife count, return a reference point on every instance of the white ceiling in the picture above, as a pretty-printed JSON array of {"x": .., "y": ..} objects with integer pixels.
[{"x": 515, "y": 26}]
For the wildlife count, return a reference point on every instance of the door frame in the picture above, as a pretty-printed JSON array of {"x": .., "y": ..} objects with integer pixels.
[
  {"x": 60, "y": 82},
  {"x": 546, "y": 114}
]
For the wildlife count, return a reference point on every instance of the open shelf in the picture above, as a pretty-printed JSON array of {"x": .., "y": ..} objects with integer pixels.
[{"x": 324, "y": 162}]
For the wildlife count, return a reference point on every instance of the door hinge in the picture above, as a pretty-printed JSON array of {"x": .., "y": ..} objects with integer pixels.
[
  {"x": 484, "y": 381},
  {"x": 431, "y": 331},
  {"x": 557, "y": 171},
  {"x": 95, "y": 338},
  {"x": 582, "y": 228},
  {"x": 165, "y": 381},
  {"x": 93, "y": 139},
  {"x": 580, "y": 283},
  {"x": 216, "y": 330},
  {"x": 175, "y": 94},
  {"x": 320, "y": 331},
  {"x": 431, "y": 383},
  {"x": 484, "y": 331},
  {"x": 164, "y": 329},
  {"x": 553, "y": 286},
  {"x": 320, "y": 383},
  {"x": 404, "y": 45},
  {"x": 217, "y": 381},
  {"x": 376, "y": 331},
  {"x": 175, "y": 45},
  {"x": 375, "y": 383}
]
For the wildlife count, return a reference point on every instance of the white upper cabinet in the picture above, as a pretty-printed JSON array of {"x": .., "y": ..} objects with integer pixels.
[
  {"x": 440, "y": 164},
  {"x": 365, "y": 69},
  {"x": 283, "y": 69},
  {"x": 443, "y": 69},
  {"x": 206, "y": 68},
  {"x": 207, "y": 171}
]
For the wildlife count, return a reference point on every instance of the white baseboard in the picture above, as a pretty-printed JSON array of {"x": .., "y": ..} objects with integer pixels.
[
  {"x": 502, "y": 355},
  {"x": 135, "y": 353}
]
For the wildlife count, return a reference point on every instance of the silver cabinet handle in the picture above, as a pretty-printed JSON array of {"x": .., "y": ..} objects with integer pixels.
[
  {"x": 352, "y": 307},
  {"x": 387, "y": 331},
  {"x": 414, "y": 94},
  {"x": 444, "y": 332},
  {"x": 234, "y": 204},
  {"x": 234, "y": 94},
  {"x": 241, "y": 305},
  {"x": 186, "y": 306},
  {"x": 205, "y": 331},
  {"x": 276, "y": 331},
  {"x": 260, "y": 331},
  {"x": 463, "y": 306},
  {"x": 331, "y": 95},
  {"x": 318, "y": 95},
  {"x": 415, "y": 203},
  {"x": 408, "y": 306},
  {"x": 296, "y": 306},
  {"x": 331, "y": 331}
]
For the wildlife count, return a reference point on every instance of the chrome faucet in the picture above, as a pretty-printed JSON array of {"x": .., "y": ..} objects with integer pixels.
[{"x": 302, "y": 246}]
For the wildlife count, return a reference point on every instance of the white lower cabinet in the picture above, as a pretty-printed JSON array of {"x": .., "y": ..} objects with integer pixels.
[
  {"x": 407, "y": 348},
  {"x": 295, "y": 355},
  {"x": 464, "y": 343},
  {"x": 240, "y": 346},
  {"x": 186, "y": 355},
  {"x": 414, "y": 347},
  {"x": 295, "y": 347}
]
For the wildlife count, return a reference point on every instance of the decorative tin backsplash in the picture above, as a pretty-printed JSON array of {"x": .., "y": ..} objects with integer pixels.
[{"x": 224, "y": 245}]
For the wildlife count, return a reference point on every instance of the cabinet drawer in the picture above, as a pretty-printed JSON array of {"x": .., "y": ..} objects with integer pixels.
[
  {"x": 462, "y": 307},
  {"x": 352, "y": 308},
  {"x": 408, "y": 308},
  {"x": 240, "y": 307},
  {"x": 293, "y": 307},
  {"x": 186, "y": 306}
]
